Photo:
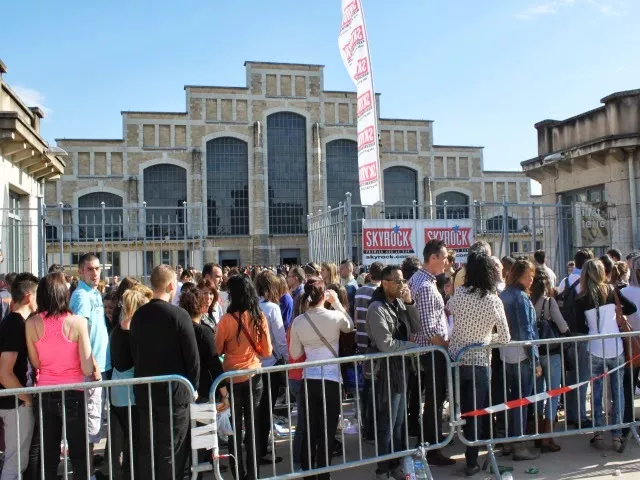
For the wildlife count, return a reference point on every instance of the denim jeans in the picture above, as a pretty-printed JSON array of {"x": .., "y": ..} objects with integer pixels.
[
  {"x": 474, "y": 394},
  {"x": 520, "y": 378},
  {"x": 598, "y": 365},
  {"x": 391, "y": 427},
  {"x": 576, "y": 400},
  {"x": 550, "y": 379}
]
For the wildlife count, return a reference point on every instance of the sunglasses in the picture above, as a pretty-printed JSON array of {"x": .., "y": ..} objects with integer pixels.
[{"x": 400, "y": 281}]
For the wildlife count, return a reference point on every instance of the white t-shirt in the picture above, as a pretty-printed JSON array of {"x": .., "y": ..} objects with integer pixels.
[{"x": 608, "y": 347}]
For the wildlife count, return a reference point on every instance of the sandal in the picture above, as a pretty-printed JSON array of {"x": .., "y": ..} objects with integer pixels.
[
  {"x": 618, "y": 444},
  {"x": 597, "y": 441}
]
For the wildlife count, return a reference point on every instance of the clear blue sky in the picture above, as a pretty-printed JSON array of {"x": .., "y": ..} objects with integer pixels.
[{"x": 484, "y": 71}]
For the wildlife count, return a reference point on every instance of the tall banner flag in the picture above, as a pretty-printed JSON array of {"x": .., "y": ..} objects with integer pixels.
[{"x": 354, "y": 48}]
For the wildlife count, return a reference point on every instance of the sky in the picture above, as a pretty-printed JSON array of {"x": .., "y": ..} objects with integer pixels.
[{"x": 484, "y": 71}]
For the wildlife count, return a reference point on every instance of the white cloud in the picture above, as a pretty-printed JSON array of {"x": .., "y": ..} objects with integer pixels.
[
  {"x": 551, "y": 7},
  {"x": 31, "y": 97}
]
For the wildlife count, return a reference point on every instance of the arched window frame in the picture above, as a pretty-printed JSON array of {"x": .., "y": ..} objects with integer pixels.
[{"x": 400, "y": 206}]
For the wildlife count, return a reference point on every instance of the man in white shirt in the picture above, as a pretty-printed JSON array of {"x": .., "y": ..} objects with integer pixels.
[{"x": 540, "y": 256}]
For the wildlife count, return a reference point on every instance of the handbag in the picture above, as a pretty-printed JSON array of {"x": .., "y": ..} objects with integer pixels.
[
  {"x": 631, "y": 344},
  {"x": 547, "y": 329}
]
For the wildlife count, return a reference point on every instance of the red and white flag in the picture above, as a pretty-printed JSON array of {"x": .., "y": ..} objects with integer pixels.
[{"x": 354, "y": 48}]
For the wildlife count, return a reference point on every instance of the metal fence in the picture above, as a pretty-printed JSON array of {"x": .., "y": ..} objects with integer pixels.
[{"x": 510, "y": 228}]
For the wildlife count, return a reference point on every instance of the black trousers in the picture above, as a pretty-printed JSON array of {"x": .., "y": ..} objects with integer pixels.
[
  {"x": 120, "y": 446},
  {"x": 435, "y": 388},
  {"x": 266, "y": 411},
  {"x": 315, "y": 452},
  {"x": 245, "y": 403},
  {"x": 165, "y": 439}
]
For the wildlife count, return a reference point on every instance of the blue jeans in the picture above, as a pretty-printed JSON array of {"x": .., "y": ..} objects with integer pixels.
[
  {"x": 295, "y": 386},
  {"x": 520, "y": 377},
  {"x": 390, "y": 425},
  {"x": 474, "y": 379},
  {"x": 576, "y": 400},
  {"x": 550, "y": 379},
  {"x": 598, "y": 365}
]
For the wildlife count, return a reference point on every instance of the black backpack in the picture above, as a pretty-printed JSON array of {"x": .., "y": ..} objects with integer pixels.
[{"x": 567, "y": 304}]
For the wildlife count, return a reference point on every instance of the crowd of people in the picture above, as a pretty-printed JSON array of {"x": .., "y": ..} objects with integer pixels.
[{"x": 55, "y": 332}]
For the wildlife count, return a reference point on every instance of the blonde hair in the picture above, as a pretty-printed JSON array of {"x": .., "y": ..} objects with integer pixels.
[
  {"x": 134, "y": 298},
  {"x": 593, "y": 282},
  {"x": 161, "y": 276},
  {"x": 333, "y": 272}
]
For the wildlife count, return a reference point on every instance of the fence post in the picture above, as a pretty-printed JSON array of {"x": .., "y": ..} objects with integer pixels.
[
  {"x": 144, "y": 241},
  {"x": 41, "y": 240},
  {"x": 347, "y": 218},
  {"x": 533, "y": 227},
  {"x": 415, "y": 209},
  {"x": 505, "y": 225},
  {"x": 61, "y": 236},
  {"x": 103, "y": 254},
  {"x": 203, "y": 232},
  {"x": 184, "y": 223},
  {"x": 445, "y": 217}
]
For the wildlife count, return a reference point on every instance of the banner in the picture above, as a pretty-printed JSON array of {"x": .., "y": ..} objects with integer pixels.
[
  {"x": 391, "y": 241},
  {"x": 354, "y": 49}
]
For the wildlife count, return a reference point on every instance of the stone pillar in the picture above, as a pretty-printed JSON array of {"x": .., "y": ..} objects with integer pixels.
[
  {"x": 259, "y": 209},
  {"x": 318, "y": 199}
]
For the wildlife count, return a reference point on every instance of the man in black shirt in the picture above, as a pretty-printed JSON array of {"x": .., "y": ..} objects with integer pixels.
[
  {"x": 164, "y": 343},
  {"x": 14, "y": 366}
]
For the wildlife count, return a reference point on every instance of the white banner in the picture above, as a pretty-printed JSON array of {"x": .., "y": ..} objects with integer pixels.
[
  {"x": 354, "y": 48},
  {"x": 391, "y": 241}
]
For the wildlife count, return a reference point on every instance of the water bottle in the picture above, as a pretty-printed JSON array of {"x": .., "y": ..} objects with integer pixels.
[
  {"x": 409, "y": 468},
  {"x": 419, "y": 467},
  {"x": 507, "y": 476}
]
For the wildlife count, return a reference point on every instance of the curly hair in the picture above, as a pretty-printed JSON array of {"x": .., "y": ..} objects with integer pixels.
[
  {"x": 194, "y": 300},
  {"x": 482, "y": 274}
]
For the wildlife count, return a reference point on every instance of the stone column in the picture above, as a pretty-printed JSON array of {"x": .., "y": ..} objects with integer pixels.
[{"x": 259, "y": 209}]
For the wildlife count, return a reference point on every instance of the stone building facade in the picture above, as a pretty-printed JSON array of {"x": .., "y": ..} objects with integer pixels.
[
  {"x": 251, "y": 162},
  {"x": 589, "y": 163}
]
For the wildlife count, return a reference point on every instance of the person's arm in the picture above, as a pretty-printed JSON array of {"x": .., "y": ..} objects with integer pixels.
[
  {"x": 351, "y": 297},
  {"x": 502, "y": 334},
  {"x": 87, "y": 362},
  {"x": 8, "y": 379},
  {"x": 279, "y": 335},
  {"x": 32, "y": 338},
  {"x": 556, "y": 315},
  {"x": 345, "y": 324},
  {"x": 527, "y": 319},
  {"x": 414, "y": 319},
  {"x": 221, "y": 334},
  {"x": 265, "y": 342},
  {"x": 189, "y": 347},
  {"x": 286, "y": 308},
  {"x": 379, "y": 331},
  {"x": 628, "y": 307},
  {"x": 296, "y": 349}
]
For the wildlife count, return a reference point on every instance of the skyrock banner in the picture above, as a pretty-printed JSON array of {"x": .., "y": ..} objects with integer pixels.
[
  {"x": 354, "y": 49},
  {"x": 391, "y": 241}
]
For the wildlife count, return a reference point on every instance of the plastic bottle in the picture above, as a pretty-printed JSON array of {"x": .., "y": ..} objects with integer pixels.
[
  {"x": 408, "y": 467},
  {"x": 419, "y": 467},
  {"x": 507, "y": 476}
]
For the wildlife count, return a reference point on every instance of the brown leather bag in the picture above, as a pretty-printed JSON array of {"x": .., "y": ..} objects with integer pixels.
[{"x": 631, "y": 344}]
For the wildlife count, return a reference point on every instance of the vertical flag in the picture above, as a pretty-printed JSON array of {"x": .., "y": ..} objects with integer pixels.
[{"x": 354, "y": 48}]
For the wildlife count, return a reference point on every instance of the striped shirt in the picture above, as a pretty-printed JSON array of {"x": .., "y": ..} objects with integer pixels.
[
  {"x": 430, "y": 307},
  {"x": 362, "y": 301}
]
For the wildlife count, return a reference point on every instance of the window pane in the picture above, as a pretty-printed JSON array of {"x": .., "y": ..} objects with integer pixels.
[
  {"x": 227, "y": 187},
  {"x": 456, "y": 206},
  {"x": 342, "y": 172},
  {"x": 165, "y": 185},
  {"x": 90, "y": 216},
  {"x": 400, "y": 190},
  {"x": 287, "y": 160}
]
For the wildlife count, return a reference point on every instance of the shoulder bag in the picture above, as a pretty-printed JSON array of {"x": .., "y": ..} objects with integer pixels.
[{"x": 631, "y": 344}]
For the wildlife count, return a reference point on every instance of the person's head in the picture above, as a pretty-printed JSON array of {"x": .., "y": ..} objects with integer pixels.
[
  {"x": 136, "y": 296},
  {"x": 480, "y": 247},
  {"x": 634, "y": 277},
  {"x": 614, "y": 254},
  {"x": 186, "y": 277},
  {"x": 311, "y": 269},
  {"x": 89, "y": 269},
  {"x": 410, "y": 265},
  {"x": 507, "y": 262},
  {"x": 571, "y": 265},
  {"x": 283, "y": 288},
  {"x": 56, "y": 268},
  {"x": 164, "y": 282},
  {"x": 541, "y": 286},
  {"x": 52, "y": 295},
  {"x": 213, "y": 272},
  {"x": 341, "y": 292},
  {"x": 435, "y": 256},
  {"x": 375, "y": 271},
  {"x": 346, "y": 269},
  {"x": 497, "y": 264},
  {"x": 267, "y": 286},
  {"x": 210, "y": 290},
  {"x": 629, "y": 258},
  {"x": 179, "y": 270},
  {"x": 392, "y": 281},
  {"x": 109, "y": 301},
  {"x": 242, "y": 295},
  {"x": 521, "y": 274},
  {"x": 447, "y": 287},
  {"x": 295, "y": 277},
  {"x": 9, "y": 278},
  {"x": 125, "y": 284},
  {"x": 620, "y": 274},
  {"x": 23, "y": 291},
  {"x": 451, "y": 257},
  {"x": 314, "y": 288},
  {"x": 482, "y": 274},
  {"x": 329, "y": 273},
  {"x": 194, "y": 301},
  {"x": 540, "y": 256},
  {"x": 608, "y": 266},
  {"x": 115, "y": 280},
  {"x": 582, "y": 256},
  {"x": 593, "y": 282}
]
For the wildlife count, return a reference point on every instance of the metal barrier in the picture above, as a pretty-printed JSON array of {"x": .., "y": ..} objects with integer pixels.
[
  {"x": 512, "y": 389},
  {"x": 381, "y": 410},
  {"x": 62, "y": 417}
]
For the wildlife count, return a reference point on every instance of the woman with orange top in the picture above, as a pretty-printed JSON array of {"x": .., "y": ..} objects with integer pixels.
[{"x": 243, "y": 338}]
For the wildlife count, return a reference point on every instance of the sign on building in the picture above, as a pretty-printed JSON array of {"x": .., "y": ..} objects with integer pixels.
[
  {"x": 391, "y": 241},
  {"x": 354, "y": 49}
]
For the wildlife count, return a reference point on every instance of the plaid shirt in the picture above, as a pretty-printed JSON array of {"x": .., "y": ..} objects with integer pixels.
[{"x": 430, "y": 307}]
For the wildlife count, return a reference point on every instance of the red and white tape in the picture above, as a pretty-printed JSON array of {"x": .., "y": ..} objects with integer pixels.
[{"x": 522, "y": 402}]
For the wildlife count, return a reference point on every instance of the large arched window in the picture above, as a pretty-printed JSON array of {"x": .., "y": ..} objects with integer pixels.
[
  {"x": 90, "y": 221},
  {"x": 287, "y": 159},
  {"x": 342, "y": 172},
  {"x": 495, "y": 224},
  {"x": 165, "y": 191},
  {"x": 457, "y": 206},
  {"x": 400, "y": 190},
  {"x": 227, "y": 186}
]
